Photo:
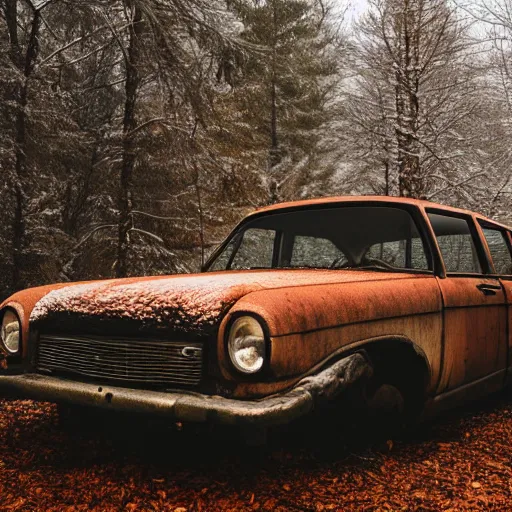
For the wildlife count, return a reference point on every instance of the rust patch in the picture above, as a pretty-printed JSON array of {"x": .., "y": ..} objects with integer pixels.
[
  {"x": 307, "y": 325},
  {"x": 375, "y": 297},
  {"x": 425, "y": 330}
]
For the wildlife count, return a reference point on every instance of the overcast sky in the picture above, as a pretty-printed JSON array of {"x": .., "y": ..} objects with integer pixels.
[{"x": 355, "y": 8}]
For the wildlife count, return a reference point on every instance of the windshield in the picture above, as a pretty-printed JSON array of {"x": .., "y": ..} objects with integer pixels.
[{"x": 377, "y": 237}]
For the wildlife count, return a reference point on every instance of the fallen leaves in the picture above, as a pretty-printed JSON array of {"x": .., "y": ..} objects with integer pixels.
[{"x": 462, "y": 463}]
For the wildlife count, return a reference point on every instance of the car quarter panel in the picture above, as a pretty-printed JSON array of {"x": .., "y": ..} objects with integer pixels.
[{"x": 313, "y": 322}]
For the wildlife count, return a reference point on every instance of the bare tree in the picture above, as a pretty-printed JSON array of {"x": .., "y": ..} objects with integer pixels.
[
  {"x": 415, "y": 94},
  {"x": 495, "y": 17}
]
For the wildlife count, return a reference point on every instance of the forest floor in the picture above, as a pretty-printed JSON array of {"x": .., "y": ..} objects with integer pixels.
[{"x": 461, "y": 461}]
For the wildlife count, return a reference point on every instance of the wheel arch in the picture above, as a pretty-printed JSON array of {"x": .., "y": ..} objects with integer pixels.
[{"x": 404, "y": 362}]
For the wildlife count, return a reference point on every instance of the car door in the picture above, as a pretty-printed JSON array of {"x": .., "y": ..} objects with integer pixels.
[
  {"x": 498, "y": 241},
  {"x": 474, "y": 309}
]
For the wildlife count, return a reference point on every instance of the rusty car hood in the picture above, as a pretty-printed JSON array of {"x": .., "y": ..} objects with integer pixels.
[{"x": 191, "y": 304}]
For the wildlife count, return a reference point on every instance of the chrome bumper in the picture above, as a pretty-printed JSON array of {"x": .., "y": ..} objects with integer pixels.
[{"x": 194, "y": 407}]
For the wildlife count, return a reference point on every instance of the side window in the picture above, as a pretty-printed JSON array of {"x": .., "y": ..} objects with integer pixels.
[
  {"x": 256, "y": 249},
  {"x": 455, "y": 243},
  {"x": 310, "y": 251},
  {"x": 499, "y": 250}
]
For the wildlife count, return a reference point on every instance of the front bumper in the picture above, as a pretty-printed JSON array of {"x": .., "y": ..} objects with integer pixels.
[{"x": 193, "y": 407}]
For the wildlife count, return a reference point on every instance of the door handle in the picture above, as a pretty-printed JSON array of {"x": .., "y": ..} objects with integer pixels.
[{"x": 488, "y": 289}]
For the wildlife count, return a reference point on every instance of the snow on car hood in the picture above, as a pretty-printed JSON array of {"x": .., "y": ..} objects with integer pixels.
[{"x": 187, "y": 303}]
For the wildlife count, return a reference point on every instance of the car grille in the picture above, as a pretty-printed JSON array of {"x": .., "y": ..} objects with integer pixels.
[{"x": 148, "y": 362}]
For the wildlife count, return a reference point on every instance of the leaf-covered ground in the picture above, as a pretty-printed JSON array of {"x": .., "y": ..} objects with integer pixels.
[{"x": 462, "y": 461}]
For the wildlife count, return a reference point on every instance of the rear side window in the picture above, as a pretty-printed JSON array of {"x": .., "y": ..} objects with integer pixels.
[
  {"x": 456, "y": 244},
  {"x": 498, "y": 247}
]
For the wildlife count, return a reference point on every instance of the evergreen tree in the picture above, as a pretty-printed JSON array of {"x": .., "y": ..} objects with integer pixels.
[{"x": 286, "y": 89}]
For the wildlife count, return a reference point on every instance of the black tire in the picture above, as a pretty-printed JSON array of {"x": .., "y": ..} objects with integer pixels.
[
  {"x": 375, "y": 407},
  {"x": 386, "y": 408}
]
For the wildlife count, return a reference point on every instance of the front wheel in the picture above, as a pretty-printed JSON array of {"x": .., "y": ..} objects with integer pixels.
[
  {"x": 375, "y": 407},
  {"x": 385, "y": 407}
]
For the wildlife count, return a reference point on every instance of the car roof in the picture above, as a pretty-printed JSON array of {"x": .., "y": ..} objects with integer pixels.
[{"x": 369, "y": 199}]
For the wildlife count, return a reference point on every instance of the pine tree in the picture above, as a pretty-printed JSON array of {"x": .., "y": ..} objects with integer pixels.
[{"x": 285, "y": 91}]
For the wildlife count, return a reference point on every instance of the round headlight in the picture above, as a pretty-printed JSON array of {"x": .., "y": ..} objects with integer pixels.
[
  {"x": 246, "y": 344},
  {"x": 10, "y": 333}
]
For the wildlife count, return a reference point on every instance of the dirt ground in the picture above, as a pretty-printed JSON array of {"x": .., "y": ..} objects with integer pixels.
[{"x": 461, "y": 461}]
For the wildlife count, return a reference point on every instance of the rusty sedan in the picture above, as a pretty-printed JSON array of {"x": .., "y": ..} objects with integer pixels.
[{"x": 403, "y": 302}]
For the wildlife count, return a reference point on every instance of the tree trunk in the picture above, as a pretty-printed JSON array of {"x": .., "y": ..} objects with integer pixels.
[
  {"x": 75, "y": 203},
  {"x": 132, "y": 84},
  {"x": 386, "y": 178},
  {"x": 26, "y": 67},
  {"x": 200, "y": 212},
  {"x": 407, "y": 84},
  {"x": 274, "y": 143},
  {"x": 274, "y": 153}
]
